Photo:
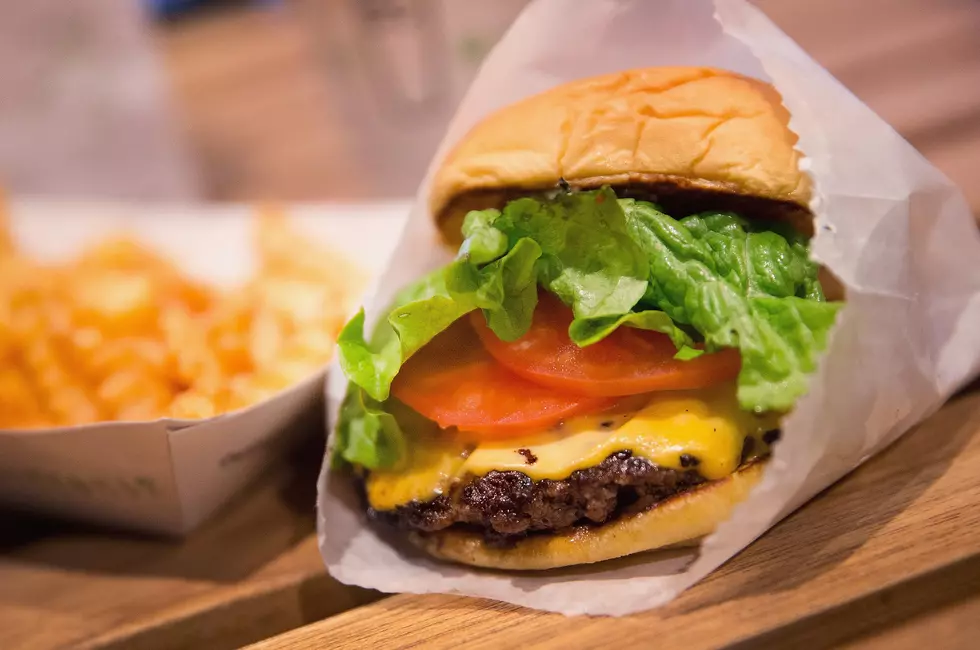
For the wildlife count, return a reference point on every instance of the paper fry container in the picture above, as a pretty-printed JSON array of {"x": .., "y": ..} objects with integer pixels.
[
  {"x": 168, "y": 476},
  {"x": 892, "y": 228}
]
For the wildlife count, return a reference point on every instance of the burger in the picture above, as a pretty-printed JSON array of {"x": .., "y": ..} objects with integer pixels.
[{"x": 602, "y": 368}]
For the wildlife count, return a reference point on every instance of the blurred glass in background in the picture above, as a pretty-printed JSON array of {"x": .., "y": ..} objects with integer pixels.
[{"x": 396, "y": 70}]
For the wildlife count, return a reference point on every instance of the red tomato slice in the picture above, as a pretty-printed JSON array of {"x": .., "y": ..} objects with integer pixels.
[
  {"x": 627, "y": 362},
  {"x": 455, "y": 382}
]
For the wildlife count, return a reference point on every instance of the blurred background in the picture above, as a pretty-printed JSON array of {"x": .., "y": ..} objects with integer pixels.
[{"x": 346, "y": 99}]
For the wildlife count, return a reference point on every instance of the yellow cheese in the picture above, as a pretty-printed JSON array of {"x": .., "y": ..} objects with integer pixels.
[
  {"x": 433, "y": 460},
  {"x": 432, "y": 469},
  {"x": 706, "y": 425}
]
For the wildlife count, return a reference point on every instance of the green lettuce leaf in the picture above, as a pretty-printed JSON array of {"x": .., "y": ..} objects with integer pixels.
[
  {"x": 793, "y": 332},
  {"x": 713, "y": 278},
  {"x": 586, "y": 331},
  {"x": 686, "y": 353},
  {"x": 368, "y": 434},
  {"x": 420, "y": 311},
  {"x": 577, "y": 245},
  {"x": 588, "y": 258},
  {"x": 482, "y": 242},
  {"x": 740, "y": 285},
  {"x": 505, "y": 289}
]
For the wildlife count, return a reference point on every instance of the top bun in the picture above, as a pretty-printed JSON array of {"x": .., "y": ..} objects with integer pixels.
[{"x": 664, "y": 133}]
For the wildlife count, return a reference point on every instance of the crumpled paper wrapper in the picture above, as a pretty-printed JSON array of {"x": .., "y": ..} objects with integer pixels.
[{"x": 889, "y": 226}]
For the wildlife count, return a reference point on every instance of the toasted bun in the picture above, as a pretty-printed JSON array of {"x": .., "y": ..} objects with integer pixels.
[
  {"x": 679, "y": 521},
  {"x": 667, "y": 130}
]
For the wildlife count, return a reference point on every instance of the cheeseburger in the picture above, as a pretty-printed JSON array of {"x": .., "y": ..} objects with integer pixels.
[{"x": 603, "y": 367}]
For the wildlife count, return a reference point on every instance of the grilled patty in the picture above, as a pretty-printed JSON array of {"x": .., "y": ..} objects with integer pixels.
[{"x": 507, "y": 506}]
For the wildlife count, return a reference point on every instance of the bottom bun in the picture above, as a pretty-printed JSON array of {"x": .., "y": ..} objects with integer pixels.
[{"x": 681, "y": 520}]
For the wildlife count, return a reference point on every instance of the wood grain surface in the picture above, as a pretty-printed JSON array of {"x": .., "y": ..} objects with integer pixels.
[
  {"x": 898, "y": 538},
  {"x": 890, "y": 553},
  {"x": 252, "y": 572}
]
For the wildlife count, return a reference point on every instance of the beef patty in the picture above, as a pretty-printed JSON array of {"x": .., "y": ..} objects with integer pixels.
[{"x": 507, "y": 506}]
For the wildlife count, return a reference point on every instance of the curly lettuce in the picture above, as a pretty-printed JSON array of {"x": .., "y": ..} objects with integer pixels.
[{"x": 714, "y": 279}]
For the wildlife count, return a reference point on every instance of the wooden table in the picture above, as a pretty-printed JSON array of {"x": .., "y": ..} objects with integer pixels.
[
  {"x": 252, "y": 572},
  {"x": 889, "y": 552}
]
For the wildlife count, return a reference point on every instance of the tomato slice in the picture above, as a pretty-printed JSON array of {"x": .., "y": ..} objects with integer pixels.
[
  {"x": 627, "y": 362},
  {"x": 454, "y": 381}
]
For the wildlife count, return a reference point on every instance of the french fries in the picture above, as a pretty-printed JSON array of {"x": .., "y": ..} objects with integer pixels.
[{"x": 119, "y": 333}]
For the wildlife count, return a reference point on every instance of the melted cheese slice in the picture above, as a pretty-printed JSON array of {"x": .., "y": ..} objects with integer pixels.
[{"x": 706, "y": 425}]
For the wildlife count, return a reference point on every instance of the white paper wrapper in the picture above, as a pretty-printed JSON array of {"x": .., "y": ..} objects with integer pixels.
[
  {"x": 168, "y": 476},
  {"x": 892, "y": 228}
]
